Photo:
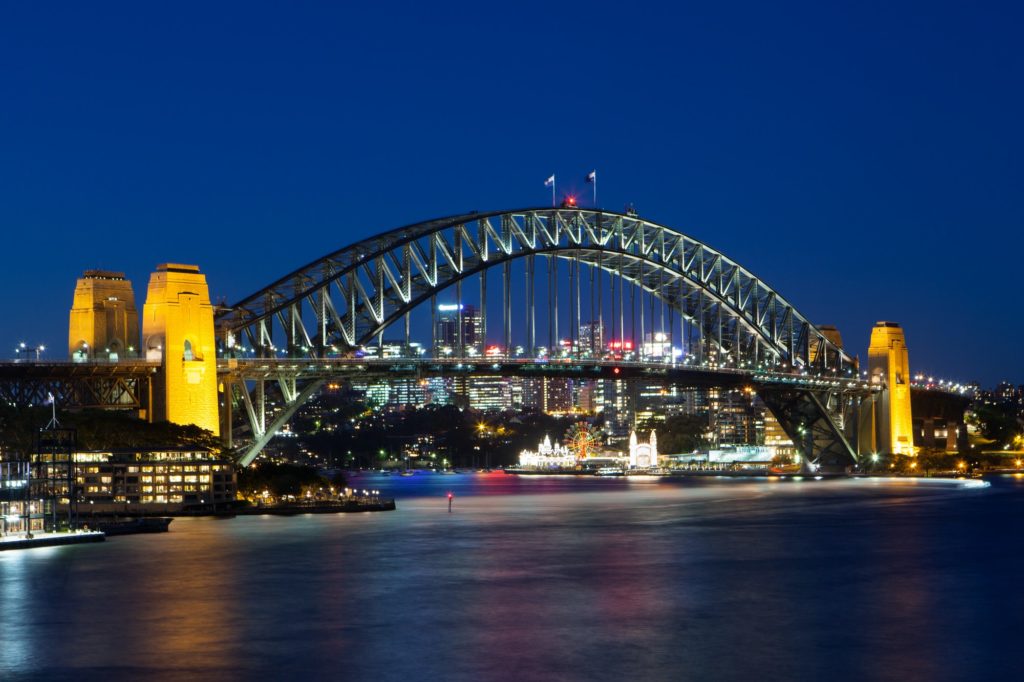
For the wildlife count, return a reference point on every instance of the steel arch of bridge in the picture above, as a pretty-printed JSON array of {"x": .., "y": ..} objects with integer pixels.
[{"x": 345, "y": 299}]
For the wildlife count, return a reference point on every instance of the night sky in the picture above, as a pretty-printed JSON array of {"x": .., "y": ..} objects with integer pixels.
[{"x": 866, "y": 161}]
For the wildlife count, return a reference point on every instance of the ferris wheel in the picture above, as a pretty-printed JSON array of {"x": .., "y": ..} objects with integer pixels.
[{"x": 583, "y": 440}]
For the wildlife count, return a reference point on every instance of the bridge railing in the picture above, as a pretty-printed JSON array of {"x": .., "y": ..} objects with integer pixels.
[
  {"x": 498, "y": 365},
  {"x": 120, "y": 362}
]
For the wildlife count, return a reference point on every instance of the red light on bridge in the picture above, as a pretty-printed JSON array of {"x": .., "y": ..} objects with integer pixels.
[{"x": 615, "y": 371}]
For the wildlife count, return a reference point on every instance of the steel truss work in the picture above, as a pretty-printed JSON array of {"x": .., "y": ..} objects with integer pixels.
[
  {"x": 122, "y": 385},
  {"x": 731, "y": 319},
  {"x": 344, "y": 300},
  {"x": 791, "y": 395}
]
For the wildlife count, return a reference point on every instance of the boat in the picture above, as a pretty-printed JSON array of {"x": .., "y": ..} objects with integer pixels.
[
  {"x": 154, "y": 524},
  {"x": 609, "y": 471},
  {"x": 408, "y": 473}
]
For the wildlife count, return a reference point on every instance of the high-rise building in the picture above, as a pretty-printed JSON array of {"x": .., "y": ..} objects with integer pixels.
[
  {"x": 617, "y": 407},
  {"x": 557, "y": 395},
  {"x": 458, "y": 331},
  {"x": 732, "y": 418},
  {"x": 591, "y": 341},
  {"x": 490, "y": 393},
  {"x": 527, "y": 394},
  {"x": 588, "y": 396}
]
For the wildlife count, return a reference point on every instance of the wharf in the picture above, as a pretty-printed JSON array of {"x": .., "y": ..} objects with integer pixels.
[
  {"x": 721, "y": 473},
  {"x": 550, "y": 472},
  {"x": 51, "y": 540}
]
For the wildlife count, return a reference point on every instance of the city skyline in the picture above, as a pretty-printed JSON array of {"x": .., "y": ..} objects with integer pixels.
[
  {"x": 864, "y": 185},
  {"x": 511, "y": 341}
]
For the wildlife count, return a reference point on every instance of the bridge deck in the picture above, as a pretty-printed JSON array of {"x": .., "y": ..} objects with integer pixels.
[{"x": 327, "y": 368}]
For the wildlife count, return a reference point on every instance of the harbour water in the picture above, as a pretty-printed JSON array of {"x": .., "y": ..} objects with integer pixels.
[{"x": 549, "y": 578}]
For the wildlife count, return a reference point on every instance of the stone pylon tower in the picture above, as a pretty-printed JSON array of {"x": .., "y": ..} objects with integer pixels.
[
  {"x": 888, "y": 365},
  {"x": 177, "y": 329},
  {"x": 104, "y": 323},
  {"x": 831, "y": 333}
]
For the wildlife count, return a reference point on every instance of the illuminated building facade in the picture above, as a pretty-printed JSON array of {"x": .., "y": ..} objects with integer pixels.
[
  {"x": 557, "y": 395},
  {"x": 548, "y": 455},
  {"x": 889, "y": 365},
  {"x": 162, "y": 480},
  {"x": 489, "y": 393},
  {"x": 15, "y": 503},
  {"x": 177, "y": 329},
  {"x": 458, "y": 331},
  {"x": 591, "y": 341},
  {"x": 104, "y": 323},
  {"x": 775, "y": 437},
  {"x": 643, "y": 455}
]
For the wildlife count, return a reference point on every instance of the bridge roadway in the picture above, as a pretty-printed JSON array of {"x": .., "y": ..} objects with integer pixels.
[
  {"x": 126, "y": 383},
  {"x": 696, "y": 376},
  {"x": 817, "y": 411}
]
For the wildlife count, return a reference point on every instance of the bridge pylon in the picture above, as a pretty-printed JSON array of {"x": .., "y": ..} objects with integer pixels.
[
  {"x": 889, "y": 367},
  {"x": 103, "y": 323},
  {"x": 177, "y": 330}
]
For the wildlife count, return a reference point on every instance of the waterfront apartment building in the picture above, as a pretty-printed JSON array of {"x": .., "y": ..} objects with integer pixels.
[{"x": 159, "y": 480}]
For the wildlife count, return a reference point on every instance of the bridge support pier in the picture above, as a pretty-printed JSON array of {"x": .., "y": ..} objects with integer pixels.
[
  {"x": 806, "y": 418},
  {"x": 263, "y": 436}
]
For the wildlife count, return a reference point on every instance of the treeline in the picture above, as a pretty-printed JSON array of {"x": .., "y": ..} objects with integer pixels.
[
  {"x": 279, "y": 480},
  {"x": 354, "y": 436},
  {"x": 341, "y": 432},
  {"x": 99, "y": 430}
]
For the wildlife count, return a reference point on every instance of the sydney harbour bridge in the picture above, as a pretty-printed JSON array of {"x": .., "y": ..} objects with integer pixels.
[{"x": 542, "y": 280}]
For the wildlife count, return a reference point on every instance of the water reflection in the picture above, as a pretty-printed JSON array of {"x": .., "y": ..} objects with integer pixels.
[
  {"x": 542, "y": 578},
  {"x": 16, "y": 650}
]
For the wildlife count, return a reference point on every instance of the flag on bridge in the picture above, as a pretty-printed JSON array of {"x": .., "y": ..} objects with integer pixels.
[
  {"x": 49, "y": 399},
  {"x": 550, "y": 182},
  {"x": 592, "y": 176}
]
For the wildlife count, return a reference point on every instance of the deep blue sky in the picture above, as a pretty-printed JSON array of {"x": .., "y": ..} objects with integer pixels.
[{"x": 864, "y": 160}]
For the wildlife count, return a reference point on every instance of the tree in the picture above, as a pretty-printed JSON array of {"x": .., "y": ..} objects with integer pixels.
[
  {"x": 278, "y": 479},
  {"x": 679, "y": 433},
  {"x": 996, "y": 422},
  {"x": 101, "y": 430}
]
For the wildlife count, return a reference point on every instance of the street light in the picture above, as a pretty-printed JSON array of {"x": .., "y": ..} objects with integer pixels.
[{"x": 24, "y": 349}]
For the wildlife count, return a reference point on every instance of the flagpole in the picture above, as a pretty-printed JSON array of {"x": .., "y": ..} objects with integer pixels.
[
  {"x": 552, "y": 191},
  {"x": 595, "y": 190}
]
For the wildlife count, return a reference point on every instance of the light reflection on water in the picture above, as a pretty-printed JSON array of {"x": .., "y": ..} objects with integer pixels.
[{"x": 543, "y": 578}]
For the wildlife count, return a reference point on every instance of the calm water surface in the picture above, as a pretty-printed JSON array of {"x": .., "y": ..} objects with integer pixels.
[{"x": 545, "y": 578}]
